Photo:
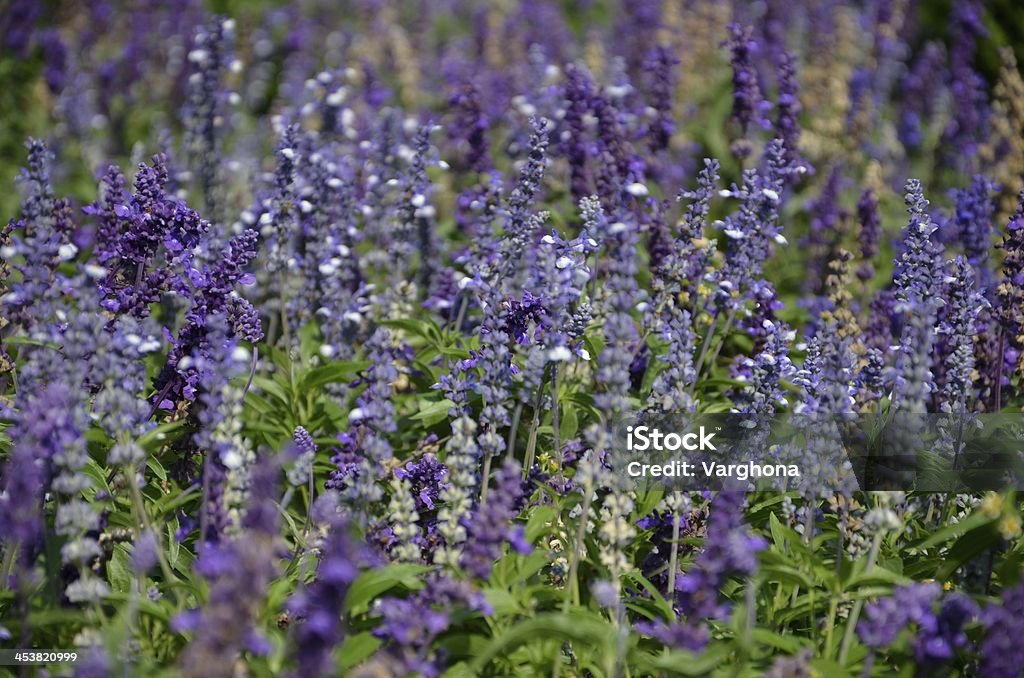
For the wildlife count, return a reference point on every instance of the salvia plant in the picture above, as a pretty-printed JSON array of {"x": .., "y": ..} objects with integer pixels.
[{"x": 321, "y": 328}]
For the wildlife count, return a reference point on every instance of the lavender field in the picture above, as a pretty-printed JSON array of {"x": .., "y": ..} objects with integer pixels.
[{"x": 328, "y": 329}]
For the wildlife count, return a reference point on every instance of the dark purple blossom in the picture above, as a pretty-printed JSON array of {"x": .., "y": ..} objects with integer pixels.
[{"x": 426, "y": 477}]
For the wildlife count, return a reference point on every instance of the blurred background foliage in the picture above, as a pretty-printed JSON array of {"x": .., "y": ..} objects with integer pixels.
[{"x": 27, "y": 100}]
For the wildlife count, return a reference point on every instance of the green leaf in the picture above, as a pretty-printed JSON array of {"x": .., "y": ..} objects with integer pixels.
[
  {"x": 154, "y": 465},
  {"x": 432, "y": 413},
  {"x": 786, "y": 574},
  {"x": 950, "y": 532},
  {"x": 578, "y": 626},
  {"x": 309, "y": 341},
  {"x": 680, "y": 663},
  {"x": 427, "y": 329},
  {"x": 272, "y": 388},
  {"x": 173, "y": 547},
  {"x": 118, "y": 571},
  {"x": 967, "y": 547},
  {"x": 28, "y": 341},
  {"x": 569, "y": 423},
  {"x": 332, "y": 373},
  {"x": 539, "y": 522},
  {"x": 358, "y": 648},
  {"x": 828, "y": 667},
  {"x": 787, "y": 540},
  {"x": 372, "y": 583},
  {"x": 789, "y": 644},
  {"x": 659, "y": 600},
  {"x": 160, "y": 435},
  {"x": 503, "y": 602},
  {"x": 875, "y": 577}
]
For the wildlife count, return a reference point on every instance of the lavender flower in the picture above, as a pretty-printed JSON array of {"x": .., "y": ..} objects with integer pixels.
[
  {"x": 826, "y": 216},
  {"x": 670, "y": 391},
  {"x": 235, "y": 569},
  {"x": 462, "y": 458},
  {"x": 748, "y": 106},
  {"x": 763, "y": 374},
  {"x": 920, "y": 96},
  {"x": 229, "y": 459},
  {"x": 967, "y": 87},
  {"x": 578, "y": 95},
  {"x": 936, "y": 637},
  {"x": 619, "y": 328},
  {"x": 319, "y": 629},
  {"x": 44, "y": 429},
  {"x": 753, "y": 230},
  {"x": 1010, "y": 292},
  {"x": 660, "y": 64},
  {"x": 301, "y": 471},
  {"x": 1001, "y": 652},
  {"x": 211, "y": 293},
  {"x": 410, "y": 626},
  {"x": 732, "y": 552},
  {"x": 918, "y": 274},
  {"x": 470, "y": 127},
  {"x": 211, "y": 57},
  {"x": 869, "y": 234},
  {"x": 974, "y": 213},
  {"x": 787, "y": 122},
  {"x": 43, "y": 239},
  {"x": 959, "y": 327},
  {"x": 147, "y": 240},
  {"x": 518, "y": 223},
  {"x": 374, "y": 411},
  {"x": 427, "y": 480},
  {"x": 403, "y": 516},
  {"x": 489, "y": 527}
]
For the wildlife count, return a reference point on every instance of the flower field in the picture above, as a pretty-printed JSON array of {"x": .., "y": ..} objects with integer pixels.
[{"x": 328, "y": 332}]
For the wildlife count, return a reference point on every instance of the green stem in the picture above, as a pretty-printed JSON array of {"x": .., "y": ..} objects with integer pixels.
[
  {"x": 725, "y": 334},
  {"x": 554, "y": 415},
  {"x": 203, "y": 518},
  {"x": 830, "y": 625},
  {"x": 8, "y": 566},
  {"x": 510, "y": 451},
  {"x": 143, "y": 516},
  {"x": 574, "y": 557},
  {"x": 531, "y": 443},
  {"x": 851, "y": 625},
  {"x": 673, "y": 560},
  {"x": 485, "y": 477},
  {"x": 703, "y": 351},
  {"x": 252, "y": 369},
  {"x": 808, "y": 538}
]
